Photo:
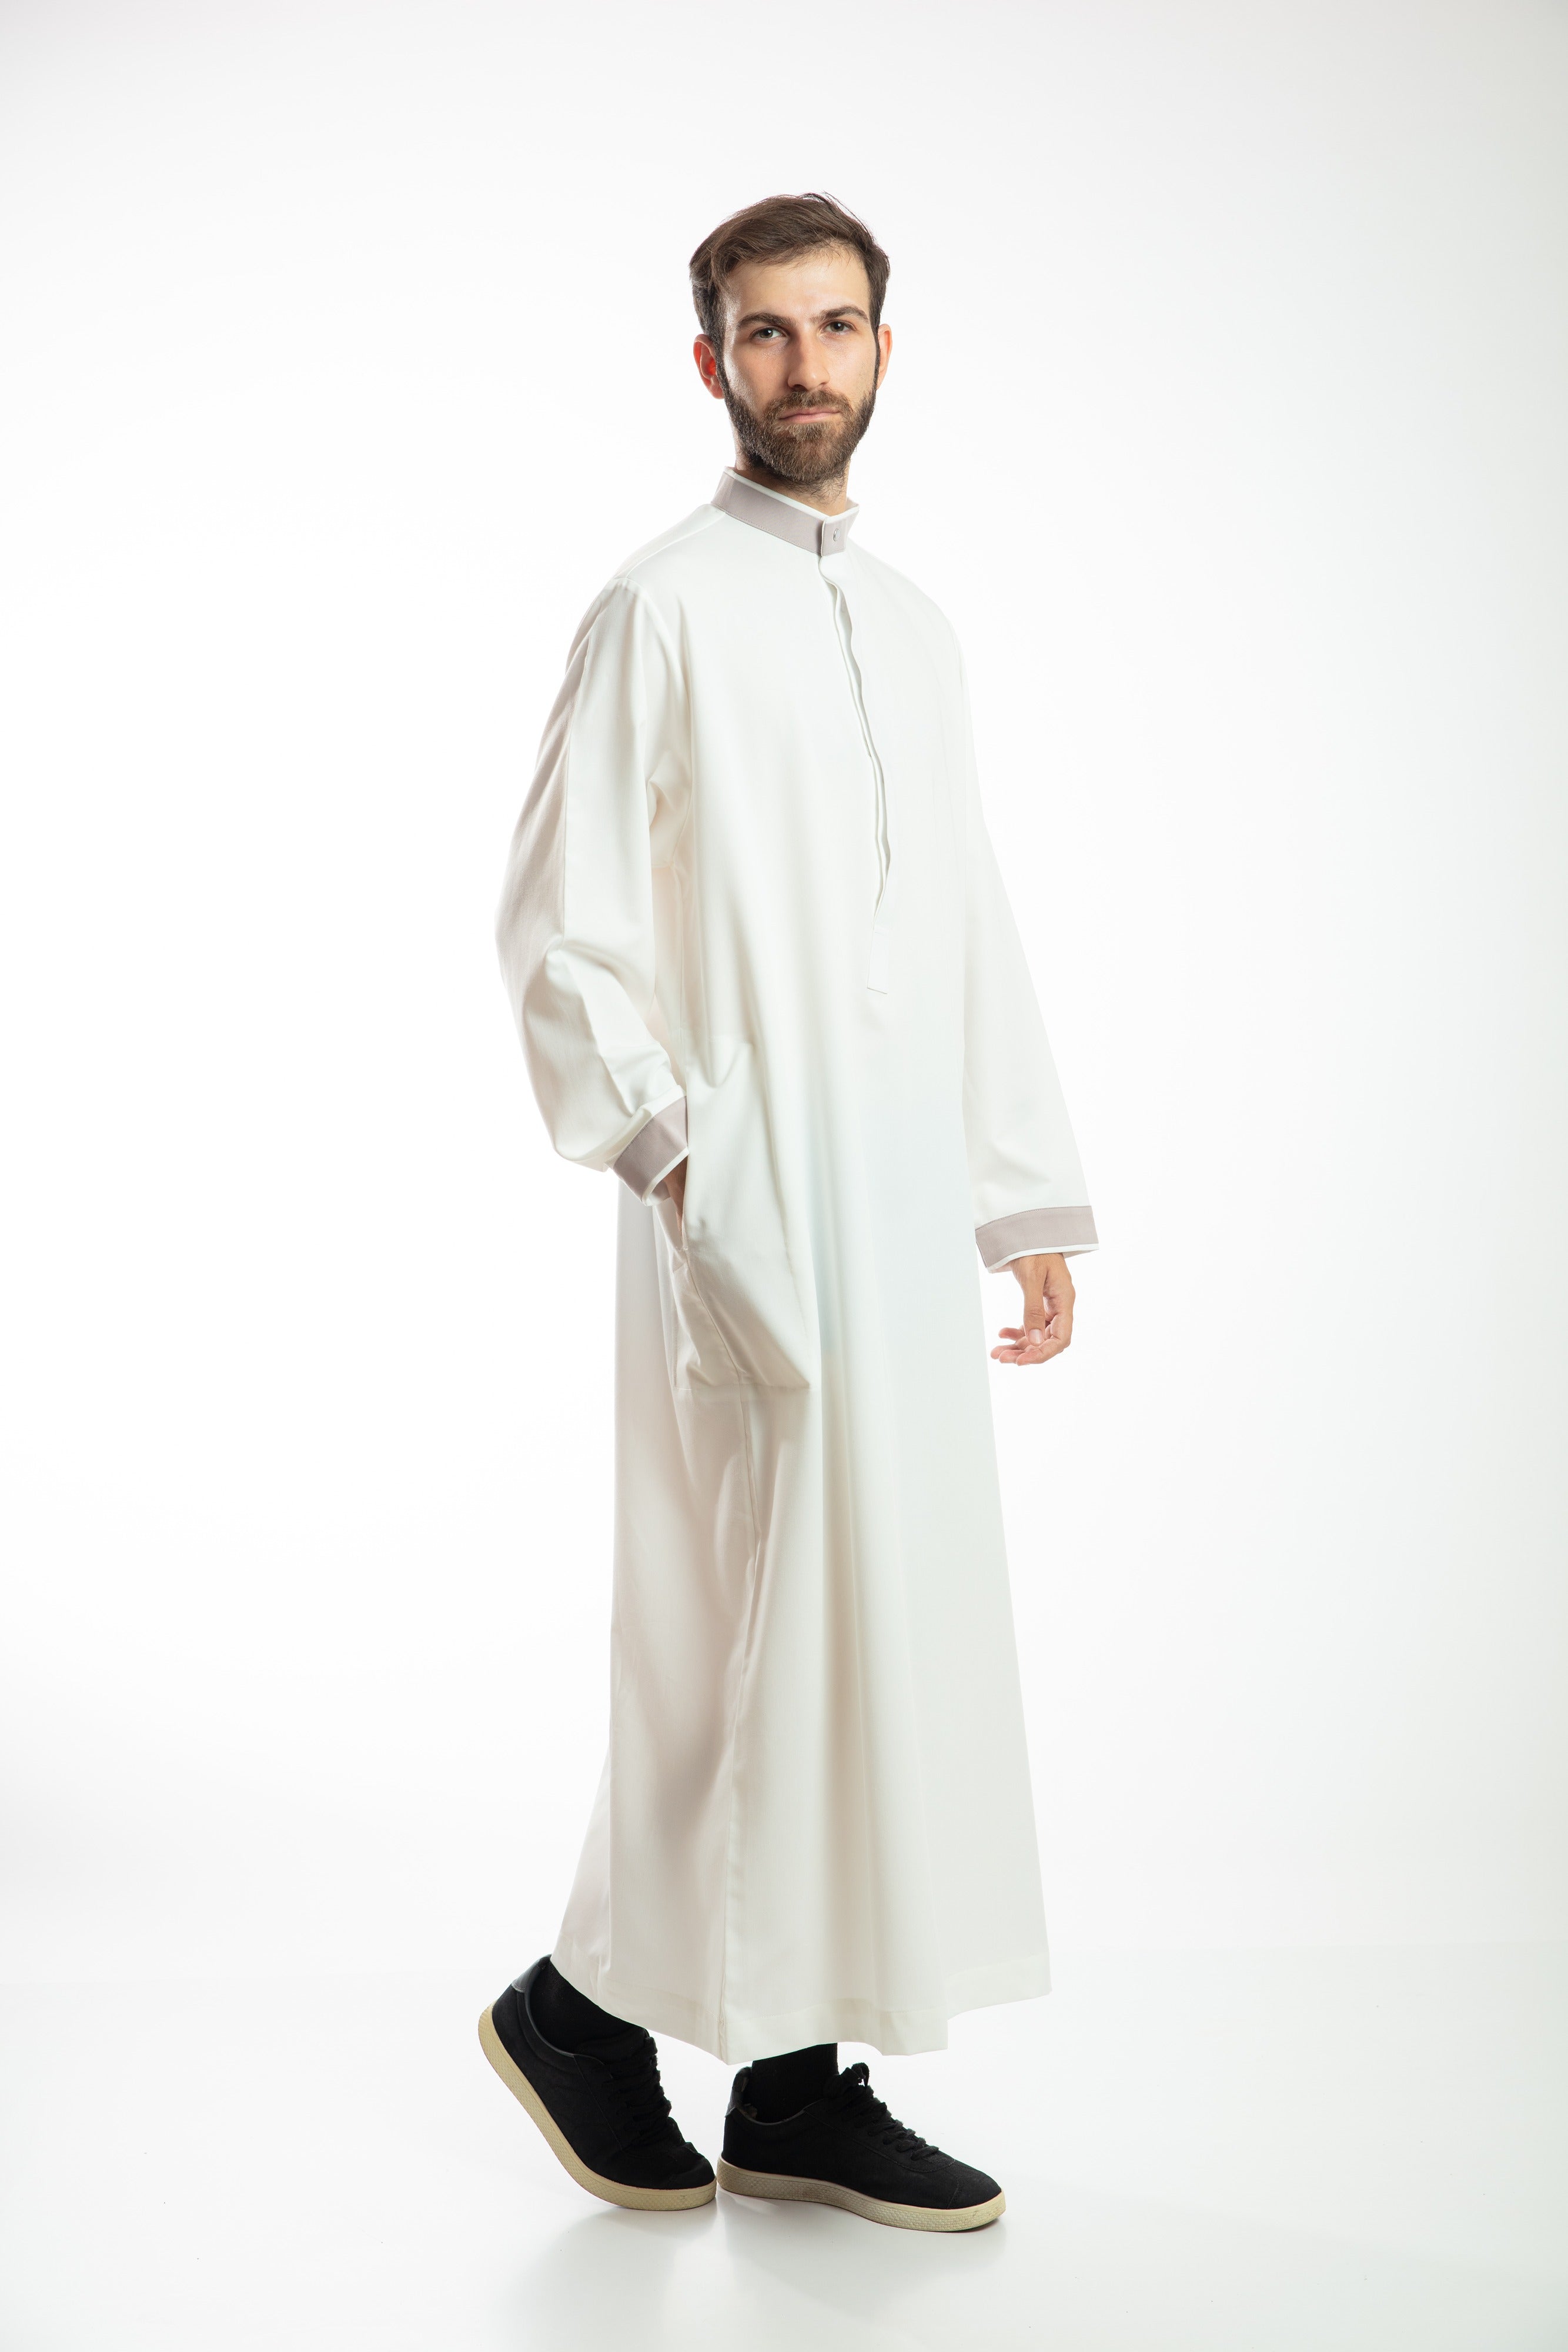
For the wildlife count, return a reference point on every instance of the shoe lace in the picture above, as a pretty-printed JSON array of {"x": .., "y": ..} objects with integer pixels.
[
  {"x": 861, "y": 2109},
  {"x": 632, "y": 2063}
]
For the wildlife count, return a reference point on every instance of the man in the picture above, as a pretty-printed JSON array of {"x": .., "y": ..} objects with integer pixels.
[{"x": 765, "y": 968}]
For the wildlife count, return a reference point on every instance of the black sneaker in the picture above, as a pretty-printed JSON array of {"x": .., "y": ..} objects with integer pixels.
[
  {"x": 602, "y": 2110},
  {"x": 846, "y": 2149}
]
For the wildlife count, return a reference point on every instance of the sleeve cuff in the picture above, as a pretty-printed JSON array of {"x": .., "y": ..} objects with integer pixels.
[
  {"x": 1032, "y": 1230},
  {"x": 654, "y": 1150}
]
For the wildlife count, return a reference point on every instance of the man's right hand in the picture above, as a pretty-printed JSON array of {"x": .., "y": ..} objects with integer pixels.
[{"x": 675, "y": 1186}]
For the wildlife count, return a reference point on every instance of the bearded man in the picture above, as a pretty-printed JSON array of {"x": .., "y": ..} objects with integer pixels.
[{"x": 765, "y": 968}]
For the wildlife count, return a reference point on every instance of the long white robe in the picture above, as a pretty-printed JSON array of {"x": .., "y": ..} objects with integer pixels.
[{"x": 753, "y": 916}]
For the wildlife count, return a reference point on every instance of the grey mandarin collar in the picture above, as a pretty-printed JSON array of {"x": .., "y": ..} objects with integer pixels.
[{"x": 787, "y": 519}]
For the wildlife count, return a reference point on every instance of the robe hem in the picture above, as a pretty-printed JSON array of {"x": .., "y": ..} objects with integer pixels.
[{"x": 740, "y": 2037}]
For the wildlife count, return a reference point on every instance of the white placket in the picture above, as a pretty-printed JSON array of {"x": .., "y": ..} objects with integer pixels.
[{"x": 831, "y": 563}]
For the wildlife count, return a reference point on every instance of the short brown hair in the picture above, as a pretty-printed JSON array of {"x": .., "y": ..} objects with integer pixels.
[{"x": 772, "y": 231}]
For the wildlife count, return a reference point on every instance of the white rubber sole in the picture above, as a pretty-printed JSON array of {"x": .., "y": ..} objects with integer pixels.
[
  {"x": 614, "y": 2192},
  {"x": 741, "y": 2183}
]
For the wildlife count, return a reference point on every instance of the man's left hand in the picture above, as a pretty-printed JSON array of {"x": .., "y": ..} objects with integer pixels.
[{"x": 1047, "y": 1326}]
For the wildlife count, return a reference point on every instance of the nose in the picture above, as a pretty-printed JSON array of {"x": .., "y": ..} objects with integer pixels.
[{"x": 808, "y": 365}]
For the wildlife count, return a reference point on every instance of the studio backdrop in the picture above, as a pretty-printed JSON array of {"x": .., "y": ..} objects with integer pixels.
[{"x": 350, "y": 351}]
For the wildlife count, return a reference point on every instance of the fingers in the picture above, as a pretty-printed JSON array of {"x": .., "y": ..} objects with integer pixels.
[
  {"x": 1020, "y": 1349},
  {"x": 1047, "y": 1326}
]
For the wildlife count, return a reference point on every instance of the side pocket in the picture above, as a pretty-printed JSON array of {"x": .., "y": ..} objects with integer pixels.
[
  {"x": 737, "y": 1263},
  {"x": 693, "y": 1348}
]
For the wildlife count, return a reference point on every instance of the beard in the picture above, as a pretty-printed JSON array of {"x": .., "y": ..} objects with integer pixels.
[{"x": 806, "y": 454}]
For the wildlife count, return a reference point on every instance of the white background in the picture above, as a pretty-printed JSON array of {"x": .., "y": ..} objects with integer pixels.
[{"x": 349, "y": 352}]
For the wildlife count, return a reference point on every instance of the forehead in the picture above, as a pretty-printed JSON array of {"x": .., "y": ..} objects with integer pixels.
[{"x": 801, "y": 285}]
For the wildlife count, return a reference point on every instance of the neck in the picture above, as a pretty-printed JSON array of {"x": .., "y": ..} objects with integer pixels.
[{"x": 830, "y": 496}]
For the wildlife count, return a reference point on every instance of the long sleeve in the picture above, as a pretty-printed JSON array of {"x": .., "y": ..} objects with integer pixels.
[
  {"x": 1026, "y": 1180},
  {"x": 575, "y": 926}
]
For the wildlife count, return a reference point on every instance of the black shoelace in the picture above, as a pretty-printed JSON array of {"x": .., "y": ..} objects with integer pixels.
[
  {"x": 858, "y": 2107},
  {"x": 632, "y": 2061}
]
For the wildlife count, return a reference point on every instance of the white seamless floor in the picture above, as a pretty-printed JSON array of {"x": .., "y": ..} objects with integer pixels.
[{"x": 1324, "y": 2151}]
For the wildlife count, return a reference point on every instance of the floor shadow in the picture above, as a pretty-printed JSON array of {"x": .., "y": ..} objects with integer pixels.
[
  {"x": 855, "y": 2269},
  {"x": 604, "y": 2280},
  {"x": 616, "y": 2277}
]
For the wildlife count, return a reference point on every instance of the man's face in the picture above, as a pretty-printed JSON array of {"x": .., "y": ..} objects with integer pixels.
[{"x": 799, "y": 368}]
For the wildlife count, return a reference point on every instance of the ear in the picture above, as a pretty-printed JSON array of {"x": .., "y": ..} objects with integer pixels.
[
  {"x": 707, "y": 358},
  {"x": 883, "y": 354}
]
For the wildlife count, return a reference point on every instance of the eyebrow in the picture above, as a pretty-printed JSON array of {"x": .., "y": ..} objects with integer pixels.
[{"x": 772, "y": 319}]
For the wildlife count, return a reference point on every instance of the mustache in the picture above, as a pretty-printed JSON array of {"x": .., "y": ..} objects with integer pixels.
[{"x": 840, "y": 406}]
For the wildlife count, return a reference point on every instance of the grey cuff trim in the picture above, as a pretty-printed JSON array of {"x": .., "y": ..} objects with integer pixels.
[
  {"x": 1031, "y": 1231},
  {"x": 654, "y": 1149}
]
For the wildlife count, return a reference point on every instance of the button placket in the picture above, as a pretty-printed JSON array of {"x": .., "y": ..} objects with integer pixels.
[
  {"x": 826, "y": 537},
  {"x": 880, "y": 956}
]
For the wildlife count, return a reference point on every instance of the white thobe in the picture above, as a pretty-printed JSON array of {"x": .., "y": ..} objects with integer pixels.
[{"x": 753, "y": 917}]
